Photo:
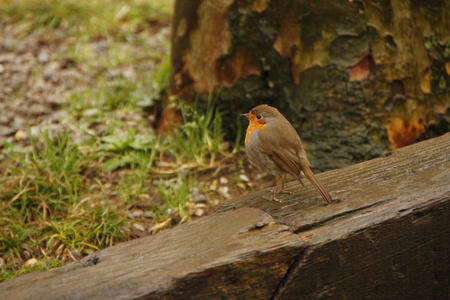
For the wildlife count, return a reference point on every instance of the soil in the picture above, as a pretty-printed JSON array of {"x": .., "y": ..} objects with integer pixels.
[{"x": 36, "y": 84}]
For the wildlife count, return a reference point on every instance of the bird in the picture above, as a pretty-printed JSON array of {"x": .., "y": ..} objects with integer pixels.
[{"x": 274, "y": 146}]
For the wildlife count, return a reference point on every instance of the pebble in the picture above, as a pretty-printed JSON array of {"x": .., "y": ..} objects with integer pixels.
[
  {"x": 195, "y": 191},
  {"x": 171, "y": 212},
  {"x": 259, "y": 225},
  {"x": 135, "y": 214},
  {"x": 20, "y": 135},
  {"x": 241, "y": 185},
  {"x": 244, "y": 178},
  {"x": 129, "y": 73},
  {"x": 138, "y": 227},
  {"x": 148, "y": 214},
  {"x": 199, "y": 198},
  {"x": 224, "y": 191},
  {"x": 91, "y": 112},
  {"x": 43, "y": 57},
  {"x": 51, "y": 71},
  {"x": 223, "y": 180},
  {"x": 2, "y": 262},
  {"x": 214, "y": 185},
  {"x": 31, "y": 262},
  {"x": 199, "y": 212}
]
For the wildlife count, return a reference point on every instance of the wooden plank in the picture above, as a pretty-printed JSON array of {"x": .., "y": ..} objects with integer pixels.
[
  {"x": 212, "y": 255},
  {"x": 414, "y": 174},
  {"x": 388, "y": 235}
]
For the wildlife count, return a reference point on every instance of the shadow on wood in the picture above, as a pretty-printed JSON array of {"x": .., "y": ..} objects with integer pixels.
[{"x": 387, "y": 236}]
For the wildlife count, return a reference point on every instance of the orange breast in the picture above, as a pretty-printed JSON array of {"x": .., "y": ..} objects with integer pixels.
[{"x": 254, "y": 125}]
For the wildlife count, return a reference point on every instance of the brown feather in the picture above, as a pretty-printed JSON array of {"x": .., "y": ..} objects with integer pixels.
[
  {"x": 288, "y": 165},
  {"x": 310, "y": 175},
  {"x": 274, "y": 145},
  {"x": 286, "y": 149}
]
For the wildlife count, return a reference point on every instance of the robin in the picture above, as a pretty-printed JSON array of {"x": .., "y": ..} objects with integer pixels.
[{"x": 273, "y": 146}]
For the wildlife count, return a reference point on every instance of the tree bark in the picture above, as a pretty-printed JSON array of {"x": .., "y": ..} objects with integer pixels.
[
  {"x": 387, "y": 236},
  {"x": 355, "y": 78}
]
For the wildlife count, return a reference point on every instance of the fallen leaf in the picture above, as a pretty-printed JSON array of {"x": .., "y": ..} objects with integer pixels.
[{"x": 425, "y": 85}]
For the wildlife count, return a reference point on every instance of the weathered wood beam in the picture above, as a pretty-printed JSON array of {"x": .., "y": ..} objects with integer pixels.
[{"x": 387, "y": 235}]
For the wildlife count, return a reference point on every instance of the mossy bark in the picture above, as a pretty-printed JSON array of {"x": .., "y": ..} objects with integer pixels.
[{"x": 355, "y": 78}]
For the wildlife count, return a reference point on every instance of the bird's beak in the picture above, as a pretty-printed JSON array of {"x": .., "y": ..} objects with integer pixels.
[{"x": 245, "y": 116}]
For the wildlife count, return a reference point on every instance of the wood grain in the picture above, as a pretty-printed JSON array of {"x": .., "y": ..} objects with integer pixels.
[{"x": 386, "y": 236}]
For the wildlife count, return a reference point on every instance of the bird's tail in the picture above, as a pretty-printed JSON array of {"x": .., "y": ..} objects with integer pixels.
[{"x": 310, "y": 175}]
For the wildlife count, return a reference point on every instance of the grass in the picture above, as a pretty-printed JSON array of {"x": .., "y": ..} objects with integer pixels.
[
  {"x": 52, "y": 209},
  {"x": 66, "y": 195},
  {"x": 86, "y": 18},
  {"x": 44, "y": 212}
]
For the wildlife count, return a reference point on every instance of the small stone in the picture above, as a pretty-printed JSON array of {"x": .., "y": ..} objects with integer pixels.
[
  {"x": 2, "y": 262},
  {"x": 241, "y": 185},
  {"x": 224, "y": 191},
  {"x": 148, "y": 214},
  {"x": 214, "y": 185},
  {"x": 171, "y": 212},
  {"x": 51, "y": 71},
  {"x": 199, "y": 198},
  {"x": 199, "y": 212},
  {"x": 31, "y": 262},
  {"x": 20, "y": 135},
  {"x": 244, "y": 178},
  {"x": 223, "y": 180},
  {"x": 138, "y": 227},
  {"x": 129, "y": 73},
  {"x": 195, "y": 191},
  {"x": 35, "y": 131},
  {"x": 259, "y": 225},
  {"x": 155, "y": 182},
  {"x": 135, "y": 214},
  {"x": 42, "y": 57},
  {"x": 91, "y": 112}
]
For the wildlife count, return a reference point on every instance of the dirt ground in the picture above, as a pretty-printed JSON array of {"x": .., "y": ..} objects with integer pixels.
[{"x": 36, "y": 86}]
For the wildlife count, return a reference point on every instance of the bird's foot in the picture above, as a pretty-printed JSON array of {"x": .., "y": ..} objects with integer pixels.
[
  {"x": 280, "y": 192},
  {"x": 272, "y": 198},
  {"x": 285, "y": 192}
]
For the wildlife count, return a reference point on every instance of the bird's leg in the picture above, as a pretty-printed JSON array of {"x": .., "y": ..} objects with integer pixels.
[
  {"x": 282, "y": 191},
  {"x": 283, "y": 180},
  {"x": 275, "y": 189},
  {"x": 274, "y": 195}
]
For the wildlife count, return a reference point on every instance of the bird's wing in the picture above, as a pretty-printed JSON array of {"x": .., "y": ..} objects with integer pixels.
[
  {"x": 290, "y": 155},
  {"x": 283, "y": 148}
]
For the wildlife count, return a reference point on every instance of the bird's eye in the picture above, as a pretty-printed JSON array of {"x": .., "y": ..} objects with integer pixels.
[{"x": 258, "y": 117}]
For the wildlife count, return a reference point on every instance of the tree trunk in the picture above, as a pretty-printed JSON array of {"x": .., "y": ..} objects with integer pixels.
[{"x": 355, "y": 78}]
